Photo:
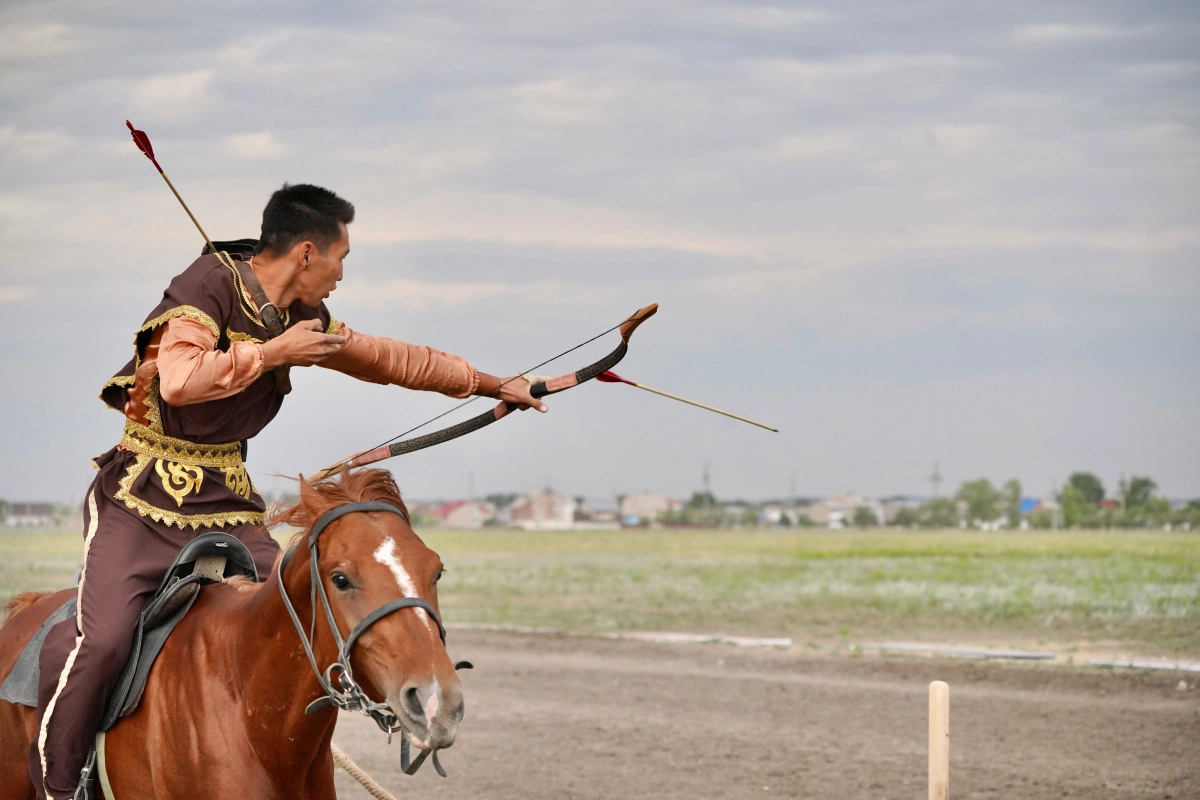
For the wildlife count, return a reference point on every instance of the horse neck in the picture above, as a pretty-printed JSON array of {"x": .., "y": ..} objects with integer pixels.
[{"x": 277, "y": 679}]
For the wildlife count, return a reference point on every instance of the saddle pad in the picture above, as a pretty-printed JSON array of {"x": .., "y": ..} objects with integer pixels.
[{"x": 21, "y": 685}]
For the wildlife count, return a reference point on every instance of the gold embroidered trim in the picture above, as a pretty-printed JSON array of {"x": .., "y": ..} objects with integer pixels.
[
  {"x": 119, "y": 380},
  {"x": 147, "y": 442},
  {"x": 238, "y": 336},
  {"x": 191, "y": 312},
  {"x": 169, "y": 518},
  {"x": 332, "y": 328}
]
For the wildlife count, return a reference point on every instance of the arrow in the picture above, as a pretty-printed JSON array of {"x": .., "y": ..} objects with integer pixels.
[
  {"x": 143, "y": 143},
  {"x": 612, "y": 377}
]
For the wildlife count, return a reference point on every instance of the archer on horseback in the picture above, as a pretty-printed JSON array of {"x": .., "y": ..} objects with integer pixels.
[{"x": 209, "y": 372}]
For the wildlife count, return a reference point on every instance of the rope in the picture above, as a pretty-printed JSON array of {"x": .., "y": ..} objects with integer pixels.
[{"x": 368, "y": 783}]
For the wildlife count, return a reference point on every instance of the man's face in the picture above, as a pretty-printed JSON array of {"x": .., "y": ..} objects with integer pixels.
[{"x": 320, "y": 276}]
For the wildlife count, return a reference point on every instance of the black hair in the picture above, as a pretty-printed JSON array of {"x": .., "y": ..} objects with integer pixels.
[{"x": 299, "y": 212}]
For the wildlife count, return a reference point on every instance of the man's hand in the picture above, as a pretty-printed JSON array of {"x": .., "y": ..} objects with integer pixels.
[
  {"x": 511, "y": 390},
  {"x": 301, "y": 345}
]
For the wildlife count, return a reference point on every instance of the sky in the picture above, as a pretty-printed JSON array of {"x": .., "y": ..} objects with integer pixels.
[{"x": 902, "y": 233}]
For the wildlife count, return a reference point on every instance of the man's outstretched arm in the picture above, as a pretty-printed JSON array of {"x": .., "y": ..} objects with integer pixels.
[
  {"x": 191, "y": 370},
  {"x": 391, "y": 361}
]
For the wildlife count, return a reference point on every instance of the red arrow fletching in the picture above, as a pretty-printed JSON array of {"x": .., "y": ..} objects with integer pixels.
[
  {"x": 612, "y": 377},
  {"x": 143, "y": 142}
]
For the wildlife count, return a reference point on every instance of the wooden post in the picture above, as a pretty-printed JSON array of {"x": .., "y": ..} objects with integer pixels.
[{"x": 939, "y": 741}]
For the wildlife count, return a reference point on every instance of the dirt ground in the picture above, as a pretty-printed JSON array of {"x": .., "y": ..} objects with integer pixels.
[{"x": 567, "y": 717}]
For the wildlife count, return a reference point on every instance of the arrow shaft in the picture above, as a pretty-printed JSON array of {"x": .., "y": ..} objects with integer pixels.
[
  {"x": 188, "y": 210},
  {"x": 702, "y": 405}
]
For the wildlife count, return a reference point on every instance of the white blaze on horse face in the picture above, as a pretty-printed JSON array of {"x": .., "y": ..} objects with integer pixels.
[{"x": 389, "y": 556}]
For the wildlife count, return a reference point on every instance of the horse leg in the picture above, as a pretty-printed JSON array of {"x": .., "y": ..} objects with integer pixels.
[{"x": 18, "y": 725}]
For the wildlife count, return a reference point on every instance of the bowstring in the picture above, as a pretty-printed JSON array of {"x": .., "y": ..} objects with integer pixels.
[{"x": 467, "y": 402}]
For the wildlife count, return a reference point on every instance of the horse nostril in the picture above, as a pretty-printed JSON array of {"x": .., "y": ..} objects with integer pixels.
[{"x": 412, "y": 703}]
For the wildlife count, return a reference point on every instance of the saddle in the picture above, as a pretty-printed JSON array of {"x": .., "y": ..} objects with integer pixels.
[{"x": 209, "y": 558}]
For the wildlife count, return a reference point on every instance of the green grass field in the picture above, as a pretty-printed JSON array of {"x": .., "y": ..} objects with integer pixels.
[{"x": 1136, "y": 591}]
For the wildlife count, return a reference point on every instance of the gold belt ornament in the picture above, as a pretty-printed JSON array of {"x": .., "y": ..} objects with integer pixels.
[
  {"x": 141, "y": 439},
  {"x": 237, "y": 480},
  {"x": 179, "y": 480}
]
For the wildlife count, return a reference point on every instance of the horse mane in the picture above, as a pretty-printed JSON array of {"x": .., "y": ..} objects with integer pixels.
[
  {"x": 317, "y": 497},
  {"x": 19, "y": 602}
]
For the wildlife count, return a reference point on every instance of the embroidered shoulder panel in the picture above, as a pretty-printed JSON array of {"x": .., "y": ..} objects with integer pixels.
[
  {"x": 191, "y": 312},
  {"x": 333, "y": 327}
]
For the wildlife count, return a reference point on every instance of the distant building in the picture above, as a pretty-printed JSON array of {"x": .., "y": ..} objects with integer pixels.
[
  {"x": 646, "y": 506},
  {"x": 588, "y": 518},
  {"x": 818, "y": 513},
  {"x": 466, "y": 514},
  {"x": 30, "y": 515},
  {"x": 544, "y": 510}
]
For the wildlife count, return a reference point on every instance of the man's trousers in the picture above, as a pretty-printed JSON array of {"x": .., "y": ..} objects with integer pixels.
[{"x": 125, "y": 557}]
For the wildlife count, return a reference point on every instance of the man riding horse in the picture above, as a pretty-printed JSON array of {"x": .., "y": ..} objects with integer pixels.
[{"x": 209, "y": 372}]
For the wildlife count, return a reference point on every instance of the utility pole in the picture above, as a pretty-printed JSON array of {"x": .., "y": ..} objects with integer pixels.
[
  {"x": 707, "y": 489},
  {"x": 936, "y": 478}
]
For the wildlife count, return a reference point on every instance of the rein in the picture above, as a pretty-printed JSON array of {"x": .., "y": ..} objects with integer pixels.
[{"x": 337, "y": 680}]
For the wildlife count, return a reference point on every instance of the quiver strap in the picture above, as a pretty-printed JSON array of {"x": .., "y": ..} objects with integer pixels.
[{"x": 271, "y": 318}]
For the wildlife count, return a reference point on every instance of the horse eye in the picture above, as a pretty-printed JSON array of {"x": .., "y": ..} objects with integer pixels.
[
  {"x": 341, "y": 582},
  {"x": 439, "y": 575}
]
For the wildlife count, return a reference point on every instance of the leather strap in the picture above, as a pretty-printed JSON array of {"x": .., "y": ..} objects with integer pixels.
[{"x": 272, "y": 320}]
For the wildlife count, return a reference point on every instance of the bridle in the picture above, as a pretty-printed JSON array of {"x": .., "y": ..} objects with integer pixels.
[{"x": 337, "y": 680}]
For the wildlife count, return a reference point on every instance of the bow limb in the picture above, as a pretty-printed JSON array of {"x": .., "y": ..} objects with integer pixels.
[{"x": 503, "y": 409}]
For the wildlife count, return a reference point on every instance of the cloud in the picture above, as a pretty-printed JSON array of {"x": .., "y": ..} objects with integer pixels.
[
  {"x": 36, "y": 145},
  {"x": 179, "y": 95},
  {"x": 1061, "y": 32},
  {"x": 417, "y": 295},
  {"x": 15, "y": 294},
  {"x": 36, "y": 41},
  {"x": 564, "y": 101},
  {"x": 255, "y": 146}
]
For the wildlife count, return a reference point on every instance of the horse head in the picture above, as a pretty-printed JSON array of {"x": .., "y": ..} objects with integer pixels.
[{"x": 366, "y": 560}]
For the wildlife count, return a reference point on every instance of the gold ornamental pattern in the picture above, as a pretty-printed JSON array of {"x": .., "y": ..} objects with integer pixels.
[{"x": 179, "y": 480}]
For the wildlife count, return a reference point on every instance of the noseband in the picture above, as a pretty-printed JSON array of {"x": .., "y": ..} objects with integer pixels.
[{"x": 337, "y": 680}]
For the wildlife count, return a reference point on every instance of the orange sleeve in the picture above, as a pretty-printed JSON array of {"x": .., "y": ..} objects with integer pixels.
[
  {"x": 381, "y": 360},
  {"x": 192, "y": 370}
]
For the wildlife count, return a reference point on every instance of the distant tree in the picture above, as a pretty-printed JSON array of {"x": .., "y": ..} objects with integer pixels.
[
  {"x": 501, "y": 500},
  {"x": 940, "y": 512},
  {"x": 749, "y": 516},
  {"x": 981, "y": 498},
  {"x": 3, "y": 510},
  {"x": 1089, "y": 486},
  {"x": 1010, "y": 502},
  {"x": 702, "y": 500},
  {"x": 1138, "y": 491},
  {"x": 864, "y": 518},
  {"x": 803, "y": 521},
  {"x": 906, "y": 518},
  {"x": 1076, "y": 509}
]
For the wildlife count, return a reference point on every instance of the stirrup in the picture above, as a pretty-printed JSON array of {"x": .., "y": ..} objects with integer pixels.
[{"x": 84, "y": 790}]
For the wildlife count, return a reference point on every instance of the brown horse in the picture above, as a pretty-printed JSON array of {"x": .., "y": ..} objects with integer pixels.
[{"x": 224, "y": 709}]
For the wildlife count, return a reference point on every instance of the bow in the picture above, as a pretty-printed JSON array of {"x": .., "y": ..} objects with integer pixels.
[{"x": 539, "y": 389}]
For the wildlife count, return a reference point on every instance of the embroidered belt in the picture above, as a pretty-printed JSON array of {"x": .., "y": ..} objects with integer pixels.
[{"x": 144, "y": 441}]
